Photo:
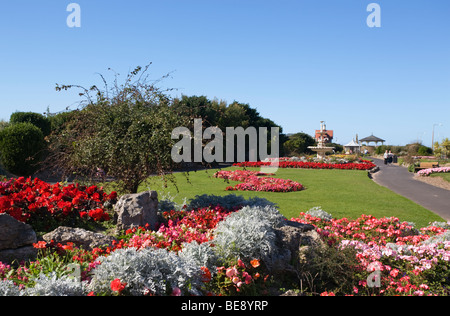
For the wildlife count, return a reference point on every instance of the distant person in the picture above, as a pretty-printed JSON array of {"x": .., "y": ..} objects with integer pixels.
[
  {"x": 390, "y": 157},
  {"x": 386, "y": 157}
]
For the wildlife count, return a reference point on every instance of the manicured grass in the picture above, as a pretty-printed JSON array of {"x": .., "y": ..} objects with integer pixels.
[{"x": 342, "y": 193}]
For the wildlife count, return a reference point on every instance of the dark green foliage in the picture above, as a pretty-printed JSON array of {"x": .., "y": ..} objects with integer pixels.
[
  {"x": 223, "y": 115},
  {"x": 424, "y": 151},
  {"x": 299, "y": 143},
  {"x": 36, "y": 119},
  {"x": 21, "y": 147},
  {"x": 125, "y": 133}
]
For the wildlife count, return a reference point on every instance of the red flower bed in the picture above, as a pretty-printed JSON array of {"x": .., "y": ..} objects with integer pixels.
[
  {"x": 181, "y": 227},
  {"x": 255, "y": 181},
  {"x": 26, "y": 199},
  {"x": 362, "y": 165}
]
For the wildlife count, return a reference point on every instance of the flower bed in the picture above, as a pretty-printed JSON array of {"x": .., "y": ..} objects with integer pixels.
[
  {"x": 394, "y": 258},
  {"x": 255, "y": 181},
  {"x": 173, "y": 258},
  {"x": 35, "y": 200},
  {"x": 222, "y": 251},
  {"x": 363, "y": 165},
  {"x": 427, "y": 172}
]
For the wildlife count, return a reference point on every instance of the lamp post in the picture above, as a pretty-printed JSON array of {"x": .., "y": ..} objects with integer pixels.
[{"x": 432, "y": 137}]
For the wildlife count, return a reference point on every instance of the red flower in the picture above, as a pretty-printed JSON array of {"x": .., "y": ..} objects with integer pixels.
[
  {"x": 112, "y": 196},
  {"x": 68, "y": 246},
  {"x": 98, "y": 214},
  {"x": 206, "y": 275},
  {"x": 118, "y": 286},
  {"x": 40, "y": 245},
  {"x": 76, "y": 200}
]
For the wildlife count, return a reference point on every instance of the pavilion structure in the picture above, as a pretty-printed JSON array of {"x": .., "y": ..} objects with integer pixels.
[
  {"x": 353, "y": 147},
  {"x": 372, "y": 139}
]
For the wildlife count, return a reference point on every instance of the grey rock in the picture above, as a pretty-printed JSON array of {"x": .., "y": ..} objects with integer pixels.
[
  {"x": 134, "y": 210},
  {"x": 16, "y": 240},
  {"x": 294, "y": 240},
  {"x": 80, "y": 237},
  {"x": 18, "y": 255}
]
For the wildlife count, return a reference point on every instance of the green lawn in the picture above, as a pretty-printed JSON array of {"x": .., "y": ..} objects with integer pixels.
[{"x": 342, "y": 193}]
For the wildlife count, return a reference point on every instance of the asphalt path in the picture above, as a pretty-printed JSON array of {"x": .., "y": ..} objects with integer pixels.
[{"x": 402, "y": 182}]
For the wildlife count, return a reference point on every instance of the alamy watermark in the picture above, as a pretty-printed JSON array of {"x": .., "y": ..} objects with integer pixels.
[
  {"x": 374, "y": 278},
  {"x": 74, "y": 18},
  {"x": 191, "y": 148},
  {"x": 374, "y": 18}
]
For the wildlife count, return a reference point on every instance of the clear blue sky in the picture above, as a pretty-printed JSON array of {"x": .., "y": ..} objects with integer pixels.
[{"x": 297, "y": 61}]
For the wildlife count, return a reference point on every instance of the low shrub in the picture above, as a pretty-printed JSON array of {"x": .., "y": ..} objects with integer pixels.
[
  {"x": 249, "y": 234},
  {"x": 146, "y": 271},
  {"x": 21, "y": 148}
]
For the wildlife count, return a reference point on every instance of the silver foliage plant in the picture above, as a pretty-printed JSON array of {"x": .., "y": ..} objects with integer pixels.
[
  {"x": 8, "y": 288},
  {"x": 249, "y": 234},
  {"x": 148, "y": 270},
  {"x": 200, "y": 255},
  {"x": 52, "y": 285},
  {"x": 317, "y": 211}
]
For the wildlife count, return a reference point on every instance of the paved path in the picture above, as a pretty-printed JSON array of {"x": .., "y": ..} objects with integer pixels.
[{"x": 399, "y": 180}]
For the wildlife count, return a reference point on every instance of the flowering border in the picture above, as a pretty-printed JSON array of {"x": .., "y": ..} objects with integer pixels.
[
  {"x": 427, "y": 172},
  {"x": 403, "y": 260},
  {"x": 362, "y": 165},
  {"x": 27, "y": 199},
  {"x": 256, "y": 181}
]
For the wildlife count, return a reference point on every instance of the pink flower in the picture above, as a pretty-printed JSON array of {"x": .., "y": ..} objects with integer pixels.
[
  {"x": 236, "y": 280},
  {"x": 424, "y": 287},
  {"x": 247, "y": 278},
  {"x": 176, "y": 291},
  {"x": 394, "y": 273},
  {"x": 231, "y": 272}
]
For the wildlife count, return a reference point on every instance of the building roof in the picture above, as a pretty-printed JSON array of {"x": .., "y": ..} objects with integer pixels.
[
  {"x": 352, "y": 144},
  {"x": 372, "y": 139},
  {"x": 328, "y": 133}
]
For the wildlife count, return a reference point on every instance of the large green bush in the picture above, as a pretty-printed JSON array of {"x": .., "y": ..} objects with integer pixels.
[
  {"x": 21, "y": 147},
  {"x": 36, "y": 119},
  {"x": 124, "y": 133}
]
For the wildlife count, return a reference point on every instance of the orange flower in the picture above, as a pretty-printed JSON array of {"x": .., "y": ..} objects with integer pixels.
[
  {"x": 255, "y": 263},
  {"x": 40, "y": 245},
  {"x": 68, "y": 246}
]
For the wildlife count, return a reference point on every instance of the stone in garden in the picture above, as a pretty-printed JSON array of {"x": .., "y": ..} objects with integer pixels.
[
  {"x": 80, "y": 237},
  {"x": 295, "y": 241},
  {"x": 16, "y": 240},
  {"x": 134, "y": 210}
]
